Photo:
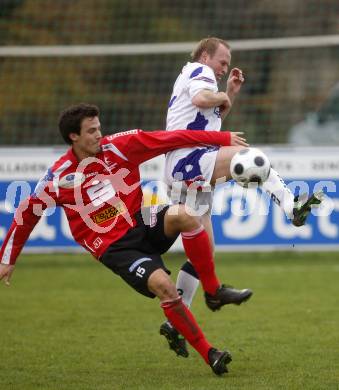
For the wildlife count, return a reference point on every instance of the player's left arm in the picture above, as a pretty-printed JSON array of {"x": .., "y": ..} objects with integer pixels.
[
  {"x": 138, "y": 146},
  {"x": 234, "y": 83}
]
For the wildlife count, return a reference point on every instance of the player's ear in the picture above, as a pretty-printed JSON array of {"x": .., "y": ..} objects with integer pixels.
[
  {"x": 203, "y": 57},
  {"x": 73, "y": 136}
]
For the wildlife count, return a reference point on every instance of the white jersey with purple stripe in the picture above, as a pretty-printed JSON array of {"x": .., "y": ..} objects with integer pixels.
[
  {"x": 182, "y": 114},
  {"x": 191, "y": 164}
]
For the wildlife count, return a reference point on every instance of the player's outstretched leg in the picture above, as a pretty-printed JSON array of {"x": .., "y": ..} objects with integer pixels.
[
  {"x": 275, "y": 186},
  {"x": 297, "y": 209}
]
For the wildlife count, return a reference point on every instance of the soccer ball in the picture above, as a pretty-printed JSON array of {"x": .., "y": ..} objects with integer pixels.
[{"x": 250, "y": 165}]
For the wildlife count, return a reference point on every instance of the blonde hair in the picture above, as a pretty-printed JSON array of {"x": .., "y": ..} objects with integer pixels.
[{"x": 210, "y": 45}]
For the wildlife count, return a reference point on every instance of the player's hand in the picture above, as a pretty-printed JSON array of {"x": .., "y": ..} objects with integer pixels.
[
  {"x": 237, "y": 139},
  {"x": 6, "y": 271},
  {"x": 235, "y": 81}
]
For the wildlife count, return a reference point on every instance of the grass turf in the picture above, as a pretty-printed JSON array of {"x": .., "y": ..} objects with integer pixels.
[{"x": 68, "y": 323}]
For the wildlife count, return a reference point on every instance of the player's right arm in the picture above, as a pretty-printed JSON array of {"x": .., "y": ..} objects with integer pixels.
[
  {"x": 208, "y": 99},
  {"x": 26, "y": 217},
  {"x": 202, "y": 88},
  {"x": 204, "y": 92}
]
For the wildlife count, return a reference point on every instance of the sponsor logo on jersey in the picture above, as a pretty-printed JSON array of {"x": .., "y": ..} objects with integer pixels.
[
  {"x": 108, "y": 213},
  {"x": 71, "y": 180}
]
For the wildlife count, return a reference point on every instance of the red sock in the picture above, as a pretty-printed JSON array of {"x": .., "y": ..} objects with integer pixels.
[
  {"x": 183, "y": 321},
  {"x": 198, "y": 249}
]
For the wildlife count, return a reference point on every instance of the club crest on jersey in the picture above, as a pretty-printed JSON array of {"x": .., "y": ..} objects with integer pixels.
[
  {"x": 71, "y": 180},
  {"x": 108, "y": 213}
]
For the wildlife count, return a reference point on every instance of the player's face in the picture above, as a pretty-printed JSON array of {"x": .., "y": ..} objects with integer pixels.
[
  {"x": 220, "y": 61},
  {"x": 87, "y": 143}
]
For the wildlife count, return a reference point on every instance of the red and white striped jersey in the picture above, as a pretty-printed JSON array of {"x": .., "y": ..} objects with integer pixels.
[{"x": 100, "y": 195}]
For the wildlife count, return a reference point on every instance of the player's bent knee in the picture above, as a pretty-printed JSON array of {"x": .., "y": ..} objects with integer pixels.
[
  {"x": 160, "y": 284},
  {"x": 187, "y": 216},
  {"x": 222, "y": 171},
  {"x": 180, "y": 218}
]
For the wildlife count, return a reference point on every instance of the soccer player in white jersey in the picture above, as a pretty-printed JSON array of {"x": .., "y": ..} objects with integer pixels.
[{"x": 197, "y": 104}]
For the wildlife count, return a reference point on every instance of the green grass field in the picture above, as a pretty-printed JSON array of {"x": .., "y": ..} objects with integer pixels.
[{"x": 69, "y": 323}]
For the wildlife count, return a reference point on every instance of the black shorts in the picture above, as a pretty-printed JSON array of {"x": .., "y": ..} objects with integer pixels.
[{"x": 137, "y": 254}]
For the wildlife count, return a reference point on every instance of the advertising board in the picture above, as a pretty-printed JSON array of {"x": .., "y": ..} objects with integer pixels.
[{"x": 242, "y": 219}]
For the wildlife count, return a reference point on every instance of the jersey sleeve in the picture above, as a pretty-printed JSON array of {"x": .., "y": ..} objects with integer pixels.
[
  {"x": 26, "y": 217},
  {"x": 139, "y": 146},
  {"x": 201, "y": 78}
]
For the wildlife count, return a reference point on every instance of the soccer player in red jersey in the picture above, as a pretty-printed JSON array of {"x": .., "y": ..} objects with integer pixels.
[{"x": 97, "y": 183}]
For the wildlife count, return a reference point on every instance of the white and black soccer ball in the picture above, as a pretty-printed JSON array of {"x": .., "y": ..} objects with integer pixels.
[{"x": 250, "y": 165}]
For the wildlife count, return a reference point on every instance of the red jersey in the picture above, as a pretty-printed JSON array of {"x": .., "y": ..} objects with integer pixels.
[{"x": 100, "y": 195}]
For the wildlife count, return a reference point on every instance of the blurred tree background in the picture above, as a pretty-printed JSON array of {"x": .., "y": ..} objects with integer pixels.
[{"x": 282, "y": 85}]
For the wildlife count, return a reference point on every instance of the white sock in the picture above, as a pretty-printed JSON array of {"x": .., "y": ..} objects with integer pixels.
[
  {"x": 187, "y": 286},
  {"x": 279, "y": 193}
]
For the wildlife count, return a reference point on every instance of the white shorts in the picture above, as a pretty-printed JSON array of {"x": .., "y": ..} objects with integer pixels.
[{"x": 188, "y": 173}]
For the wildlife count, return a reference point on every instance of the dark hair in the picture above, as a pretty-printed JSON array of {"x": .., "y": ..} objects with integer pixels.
[
  {"x": 210, "y": 45},
  {"x": 71, "y": 118}
]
